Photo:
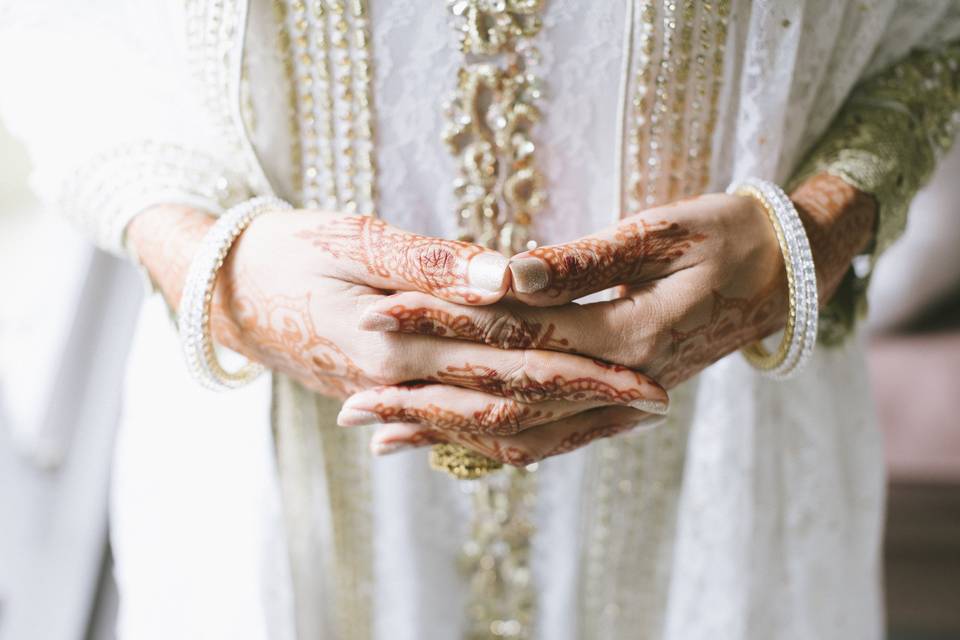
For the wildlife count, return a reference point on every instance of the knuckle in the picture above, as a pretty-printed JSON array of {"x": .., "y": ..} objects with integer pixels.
[
  {"x": 434, "y": 262},
  {"x": 521, "y": 382},
  {"x": 518, "y": 456},
  {"x": 502, "y": 418},
  {"x": 575, "y": 261},
  {"x": 386, "y": 367},
  {"x": 505, "y": 330}
]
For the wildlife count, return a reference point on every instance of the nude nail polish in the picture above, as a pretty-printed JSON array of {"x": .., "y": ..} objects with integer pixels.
[
  {"x": 356, "y": 418},
  {"x": 374, "y": 321},
  {"x": 529, "y": 275},
  {"x": 655, "y": 407},
  {"x": 487, "y": 271},
  {"x": 386, "y": 448}
]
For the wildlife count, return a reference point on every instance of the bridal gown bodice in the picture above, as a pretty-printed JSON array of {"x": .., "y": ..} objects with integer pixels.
[{"x": 754, "y": 512}]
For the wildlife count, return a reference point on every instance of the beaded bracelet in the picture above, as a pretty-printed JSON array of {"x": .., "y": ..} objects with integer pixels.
[
  {"x": 800, "y": 334},
  {"x": 193, "y": 320}
]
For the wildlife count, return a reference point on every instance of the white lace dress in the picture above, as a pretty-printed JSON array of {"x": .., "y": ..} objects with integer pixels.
[{"x": 755, "y": 512}]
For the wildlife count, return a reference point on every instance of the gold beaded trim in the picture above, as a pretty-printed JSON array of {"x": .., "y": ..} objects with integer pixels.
[
  {"x": 461, "y": 463},
  {"x": 490, "y": 118},
  {"x": 325, "y": 49},
  {"x": 681, "y": 51}
]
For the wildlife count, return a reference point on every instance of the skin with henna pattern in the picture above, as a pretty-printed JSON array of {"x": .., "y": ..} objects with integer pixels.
[
  {"x": 698, "y": 279},
  {"x": 300, "y": 315}
]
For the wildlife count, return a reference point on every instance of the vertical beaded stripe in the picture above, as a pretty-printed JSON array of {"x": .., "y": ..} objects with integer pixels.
[{"x": 674, "y": 99}]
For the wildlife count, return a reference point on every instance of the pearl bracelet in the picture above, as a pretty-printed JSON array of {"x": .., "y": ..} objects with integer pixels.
[
  {"x": 193, "y": 320},
  {"x": 800, "y": 334}
]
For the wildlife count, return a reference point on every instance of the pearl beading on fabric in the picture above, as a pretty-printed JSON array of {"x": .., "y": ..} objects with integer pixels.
[
  {"x": 674, "y": 96},
  {"x": 106, "y": 193},
  {"x": 800, "y": 335},
  {"x": 325, "y": 50},
  {"x": 193, "y": 320}
]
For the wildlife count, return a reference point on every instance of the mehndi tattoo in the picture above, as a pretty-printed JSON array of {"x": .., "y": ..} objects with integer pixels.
[
  {"x": 557, "y": 387},
  {"x": 428, "y": 264},
  {"x": 506, "y": 332},
  {"x": 496, "y": 418},
  {"x": 594, "y": 263}
]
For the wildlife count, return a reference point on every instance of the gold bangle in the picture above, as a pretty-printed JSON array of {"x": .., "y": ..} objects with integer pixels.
[{"x": 756, "y": 353}]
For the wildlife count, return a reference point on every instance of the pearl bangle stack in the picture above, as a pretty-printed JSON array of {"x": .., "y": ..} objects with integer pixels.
[
  {"x": 193, "y": 320},
  {"x": 800, "y": 334}
]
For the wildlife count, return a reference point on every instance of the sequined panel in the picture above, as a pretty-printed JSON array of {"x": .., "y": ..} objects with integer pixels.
[
  {"x": 490, "y": 121},
  {"x": 490, "y": 118}
]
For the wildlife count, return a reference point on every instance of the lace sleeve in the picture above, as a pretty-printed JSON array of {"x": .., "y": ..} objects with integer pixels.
[
  {"x": 103, "y": 94},
  {"x": 886, "y": 141}
]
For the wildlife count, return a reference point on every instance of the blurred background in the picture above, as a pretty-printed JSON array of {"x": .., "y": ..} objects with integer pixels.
[{"x": 67, "y": 313}]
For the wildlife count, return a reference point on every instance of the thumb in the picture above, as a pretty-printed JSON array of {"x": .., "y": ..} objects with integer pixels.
[
  {"x": 369, "y": 251},
  {"x": 633, "y": 251}
]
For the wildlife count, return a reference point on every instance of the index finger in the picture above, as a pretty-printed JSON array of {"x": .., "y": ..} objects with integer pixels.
[{"x": 369, "y": 251}]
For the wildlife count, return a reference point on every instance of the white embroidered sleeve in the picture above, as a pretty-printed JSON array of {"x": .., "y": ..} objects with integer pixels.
[{"x": 103, "y": 95}]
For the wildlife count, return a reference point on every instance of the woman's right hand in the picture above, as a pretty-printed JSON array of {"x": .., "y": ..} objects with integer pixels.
[{"x": 296, "y": 283}]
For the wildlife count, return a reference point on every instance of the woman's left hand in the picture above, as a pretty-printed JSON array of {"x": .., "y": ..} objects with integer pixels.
[{"x": 699, "y": 278}]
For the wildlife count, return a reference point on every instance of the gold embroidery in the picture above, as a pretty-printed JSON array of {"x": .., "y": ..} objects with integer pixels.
[
  {"x": 885, "y": 142},
  {"x": 490, "y": 118},
  {"x": 499, "y": 190}
]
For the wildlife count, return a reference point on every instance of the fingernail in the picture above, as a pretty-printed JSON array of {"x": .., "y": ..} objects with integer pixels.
[
  {"x": 656, "y": 407},
  {"x": 374, "y": 321},
  {"x": 529, "y": 275},
  {"x": 356, "y": 418},
  {"x": 386, "y": 448},
  {"x": 487, "y": 271}
]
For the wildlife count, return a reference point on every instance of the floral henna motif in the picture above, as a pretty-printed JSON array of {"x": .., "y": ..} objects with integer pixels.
[
  {"x": 594, "y": 264},
  {"x": 733, "y": 323},
  {"x": 581, "y": 389},
  {"x": 497, "y": 418},
  {"x": 284, "y": 336},
  {"x": 507, "y": 332},
  {"x": 428, "y": 264},
  {"x": 580, "y": 439}
]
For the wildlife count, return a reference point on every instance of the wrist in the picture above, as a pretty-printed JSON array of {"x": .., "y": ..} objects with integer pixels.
[
  {"x": 839, "y": 220},
  {"x": 166, "y": 238}
]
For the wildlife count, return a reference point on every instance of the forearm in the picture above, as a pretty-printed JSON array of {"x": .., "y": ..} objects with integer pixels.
[
  {"x": 840, "y": 221},
  {"x": 884, "y": 142},
  {"x": 165, "y": 238}
]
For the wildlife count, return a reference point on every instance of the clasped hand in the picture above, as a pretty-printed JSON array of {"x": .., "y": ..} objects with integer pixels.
[{"x": 444, "y": 341}]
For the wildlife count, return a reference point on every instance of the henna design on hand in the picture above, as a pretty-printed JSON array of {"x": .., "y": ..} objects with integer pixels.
[
  {"x": 496, "y": 418},
  {"x": 428, "y": 264},
  {"x": 733, "y": 323},
  {"x": 581, "y": 389},
  {"x": 596, "y": 263},
  {"x": 580, "y": 439},
  {"x": 508, "y": 332},
  {"x": 280, "y": 332}
]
